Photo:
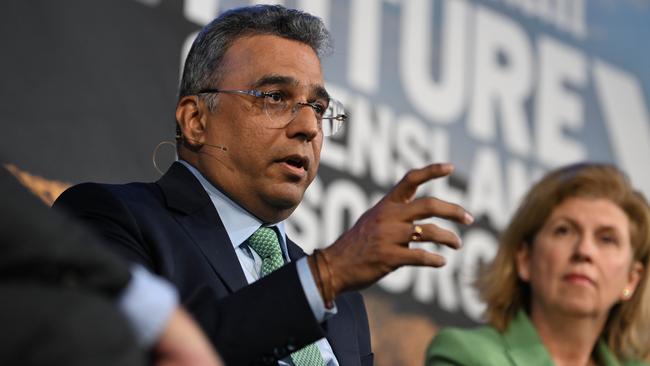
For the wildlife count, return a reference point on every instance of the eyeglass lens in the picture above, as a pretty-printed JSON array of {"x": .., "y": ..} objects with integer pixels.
[{"x": 284, "y": 112}]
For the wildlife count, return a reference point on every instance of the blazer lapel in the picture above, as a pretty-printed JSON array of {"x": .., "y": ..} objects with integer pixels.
[
  {"x": 339, "y": 327},
  {"x": 525, "y": 348},
  {"x": 294, "y": 251},
  {"x": 199, "y": 219},
  {"x": 605, "y": 355},
  {"x": 523, "y": 344}
]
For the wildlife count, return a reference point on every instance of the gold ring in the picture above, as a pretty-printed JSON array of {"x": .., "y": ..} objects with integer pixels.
[{"x": 416, "y": 235}]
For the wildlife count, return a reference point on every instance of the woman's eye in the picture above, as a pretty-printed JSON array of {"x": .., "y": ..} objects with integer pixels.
[
  {"x": 609, "y": 238},
  {"x": 561, "y": 230}
]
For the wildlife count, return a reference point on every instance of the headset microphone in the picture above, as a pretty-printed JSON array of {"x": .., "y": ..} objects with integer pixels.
[
  {"x": 199, "y": 149},
  {"x": 220, "y": 147},
  {"x": 182, "y": 137}
]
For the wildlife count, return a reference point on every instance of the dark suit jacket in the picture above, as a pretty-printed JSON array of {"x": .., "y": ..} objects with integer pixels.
[
  {"x": 57, "y": 289},
  {"x": 172, "y": 228}
]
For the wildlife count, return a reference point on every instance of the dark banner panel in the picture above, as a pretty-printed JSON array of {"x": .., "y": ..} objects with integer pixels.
[{"x": 89, "y": 87}]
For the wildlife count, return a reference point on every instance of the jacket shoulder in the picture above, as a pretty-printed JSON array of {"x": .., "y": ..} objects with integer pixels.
[
  {"x": 125, "y": 216},
  {"x": 122, "y": 191},
  {"x": 87, "y": 197}
]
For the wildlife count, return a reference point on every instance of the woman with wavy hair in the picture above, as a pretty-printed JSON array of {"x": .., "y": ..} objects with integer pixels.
[{"x": 569, "y": 284}]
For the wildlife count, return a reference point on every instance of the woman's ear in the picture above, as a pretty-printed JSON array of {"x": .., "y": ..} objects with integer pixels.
[
  {"x": 522, "y": 261},
  {"x": 636, "y": 273},
  {"x": 191, "y": 121}
]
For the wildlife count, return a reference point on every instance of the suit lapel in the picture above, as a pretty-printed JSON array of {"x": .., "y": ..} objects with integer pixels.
[
  {"x": 605, "y": 355},
  {"x": 523, "y": 344},
  {"x": 340, "y": 329},
  {"x": 525, "y": 348},
  {"x": 199, "y": 219},
  {"x": 294, "y": 251}
]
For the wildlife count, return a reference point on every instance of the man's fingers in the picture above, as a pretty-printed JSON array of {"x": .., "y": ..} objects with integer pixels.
[
  {"x": 438, "y": 235},
  {"x": 404, "y": 190},
  {"x": 408, "y": 233},
  {"x": 420, "y": 257},
  {"x": 425, "y": 207}
]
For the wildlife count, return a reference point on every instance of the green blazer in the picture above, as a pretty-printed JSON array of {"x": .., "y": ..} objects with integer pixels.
[{"x": 519, "y": 345}]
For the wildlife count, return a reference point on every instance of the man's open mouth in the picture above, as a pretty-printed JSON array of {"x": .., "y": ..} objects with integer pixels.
[{"x": 297, "y": 162}]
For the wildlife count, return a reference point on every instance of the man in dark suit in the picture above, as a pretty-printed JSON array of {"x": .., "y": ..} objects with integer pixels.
[
  {"x": 251, "y": 117},
  {"x": 68, "y": 301}
]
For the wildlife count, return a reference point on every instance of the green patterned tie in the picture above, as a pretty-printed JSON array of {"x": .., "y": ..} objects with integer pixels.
[{"x": 265, "y": 242}]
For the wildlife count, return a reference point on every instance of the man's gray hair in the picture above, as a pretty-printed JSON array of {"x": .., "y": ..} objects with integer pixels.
[{"x": 202, "y": 66}]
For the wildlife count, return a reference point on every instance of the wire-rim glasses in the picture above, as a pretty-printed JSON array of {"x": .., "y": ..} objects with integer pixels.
[{"x": 330, "y": 113}]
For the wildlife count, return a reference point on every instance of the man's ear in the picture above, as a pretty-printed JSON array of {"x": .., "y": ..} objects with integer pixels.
[
  {"x": 522, "y": 261},
  {"x": 191, "y": 121}
]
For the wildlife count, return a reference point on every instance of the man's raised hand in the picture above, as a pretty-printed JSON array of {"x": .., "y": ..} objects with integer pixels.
[{"x": 378, "y": 243}]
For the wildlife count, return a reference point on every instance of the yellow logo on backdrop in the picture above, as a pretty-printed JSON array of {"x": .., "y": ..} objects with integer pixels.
[{"x": 46, "y": 189}]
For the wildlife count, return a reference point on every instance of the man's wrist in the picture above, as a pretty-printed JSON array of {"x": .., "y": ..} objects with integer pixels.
[
  {"x": 319, "y": 266},
  {"x": 308, "y": 280}
]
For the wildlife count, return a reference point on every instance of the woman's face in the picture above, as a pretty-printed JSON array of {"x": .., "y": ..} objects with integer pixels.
[{"x": 581, "y": 260}]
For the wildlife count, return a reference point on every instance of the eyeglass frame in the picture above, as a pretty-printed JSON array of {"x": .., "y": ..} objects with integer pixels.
[{"x": 341, "y": 118}]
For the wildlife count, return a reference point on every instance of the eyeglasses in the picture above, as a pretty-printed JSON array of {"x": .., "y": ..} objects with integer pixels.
[{"x": 330, "y": 113}]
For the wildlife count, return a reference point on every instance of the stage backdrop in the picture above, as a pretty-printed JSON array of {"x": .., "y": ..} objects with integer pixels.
[{"x": 504, "y": 89}]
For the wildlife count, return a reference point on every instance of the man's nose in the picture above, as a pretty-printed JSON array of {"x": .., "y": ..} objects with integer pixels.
[{"x": 304, "y": 122}]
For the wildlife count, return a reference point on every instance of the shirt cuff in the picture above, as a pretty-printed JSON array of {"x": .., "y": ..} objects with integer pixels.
[
  {"x": 314, "y": 298},
  {"x": 148, "y": 301}
]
